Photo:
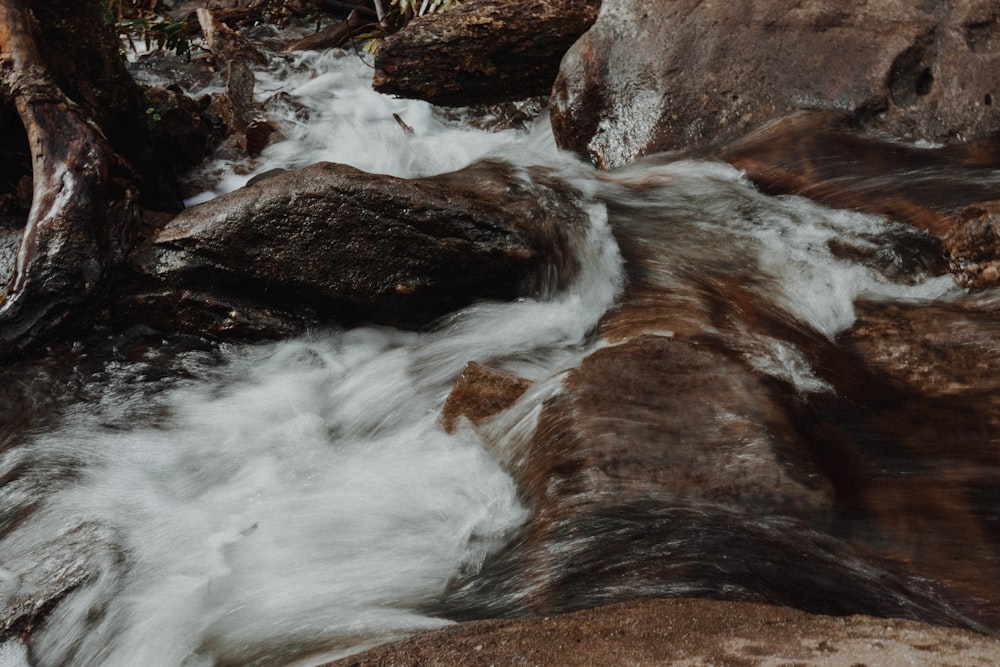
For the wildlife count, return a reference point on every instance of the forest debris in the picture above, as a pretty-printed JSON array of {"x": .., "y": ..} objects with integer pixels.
[
  {"x": 224, "y": 43},
  {"x": 334, "y": 34},
  {"x": 402, "y": 123}
]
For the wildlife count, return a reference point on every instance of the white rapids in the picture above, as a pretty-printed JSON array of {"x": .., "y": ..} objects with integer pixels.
[{"x": 298, "y": 500}]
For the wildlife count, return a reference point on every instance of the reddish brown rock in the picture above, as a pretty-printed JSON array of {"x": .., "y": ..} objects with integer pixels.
[
  {"x": 814, "y": 155},
  {"x": 973, "y": 246},
  {"x": 672, "y": 420},
  {"x": 480, "y": 393},
  {"x": 939, "y": 351},
  {"x": 686, "y": 632},
  {"x": 482, "y": 52},
  {"x": 680, "y": 75},
  {"x": 673, "y": 463}
]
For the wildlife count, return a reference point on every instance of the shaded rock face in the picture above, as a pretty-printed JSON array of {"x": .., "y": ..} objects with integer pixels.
[
  {"x": 688, "y": 632},
  {"x": 482, "y": 52},
  {"x": 331, "y": 243},
  {"x": 649, "y": 78}
]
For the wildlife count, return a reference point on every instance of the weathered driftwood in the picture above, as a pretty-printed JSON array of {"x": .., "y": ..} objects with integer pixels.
[
  {"x": 224, "y": 43},
  {"x": 83, "y": 200}
]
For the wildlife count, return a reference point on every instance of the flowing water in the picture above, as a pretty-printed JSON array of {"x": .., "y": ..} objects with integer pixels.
[{"x": 283, "y": 503}]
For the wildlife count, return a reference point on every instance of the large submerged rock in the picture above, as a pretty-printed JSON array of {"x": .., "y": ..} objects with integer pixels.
[
  {"x": 717, "y": 446},
  {"x": 651, "y": 77},
  {"x": 331, "y": 243}
]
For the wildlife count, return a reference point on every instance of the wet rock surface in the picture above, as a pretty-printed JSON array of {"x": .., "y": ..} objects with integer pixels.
[
  {"x": 687, "y": 632},
  {"x": 648, "y": 78},
  {"x": 973, "y": 246},
  {"x": 33, "y": 583},
  {"x": 814, "y": 155},
  {"x": 482, "y": 52},
  {"x": 718, "y": 447},
  {"x": 941, "y": 350},
  {"x": 331, "y": 243}
]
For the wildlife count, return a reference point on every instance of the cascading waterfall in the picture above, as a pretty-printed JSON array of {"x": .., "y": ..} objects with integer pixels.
[{"x": 296, "y": 501}]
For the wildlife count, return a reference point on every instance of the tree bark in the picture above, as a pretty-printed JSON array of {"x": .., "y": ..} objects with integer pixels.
[{"x": 83, "y": 202}]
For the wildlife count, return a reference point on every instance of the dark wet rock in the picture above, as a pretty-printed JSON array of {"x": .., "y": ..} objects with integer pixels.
[
  {"x": 264, "y": 175},
  {"x": 178, "y": 126},
  {"x": 160, "y": 68},
  {"x": 482, "y": 52},
  {"x": 35, "y": 581},
  {"x": 331, "y": 243},
  {"x": 260, "y": 133},
  {"x": 216, "y": 314},
  {"x": 902, "y": 255},
  {"x": 973, "y": 246},
  {"x": 690, "y": 632},
  {"x": 679, "y": 75},
  {"x": 480, "y": 393},
  {"x": 237, "y": 101}
]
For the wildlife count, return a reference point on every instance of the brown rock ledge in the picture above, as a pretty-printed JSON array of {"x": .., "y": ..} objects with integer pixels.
[{"x": 687, "y": 632}]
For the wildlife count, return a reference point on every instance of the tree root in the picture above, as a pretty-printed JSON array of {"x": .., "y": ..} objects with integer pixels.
[{"x": 84, "y": 200}]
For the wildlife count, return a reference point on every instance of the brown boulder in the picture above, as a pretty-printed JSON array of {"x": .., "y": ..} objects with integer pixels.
[
  {"x": 482, "y": 52},
  {"x": 939, "y": 350},
  {"x": 330, "y": 242},
  {"x": 667, "y": 76}
]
